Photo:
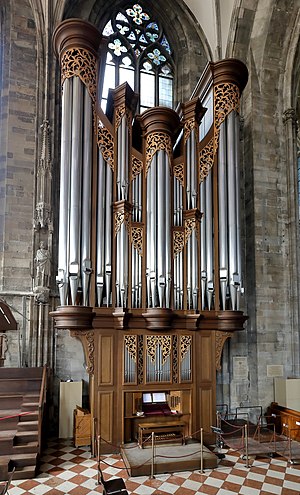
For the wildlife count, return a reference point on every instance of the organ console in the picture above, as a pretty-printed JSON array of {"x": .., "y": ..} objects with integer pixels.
[{"x": 149, "y": 257}]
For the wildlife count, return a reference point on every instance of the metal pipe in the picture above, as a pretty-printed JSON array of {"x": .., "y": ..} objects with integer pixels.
[
  {"x": 65, "y": 171},
  {"x": 168, "y": 244},
  {"x": 100, "y": 229},
  {"x": 209, "y": 240},
  {"x": 87, "y": 198},
  {"x": 108, "y": 236},
  {"x": 203, "y": 259},
  {"x": 75, "y": 188},
  {"x": 231, "y": 208},
  {"x": 161, "y": 233},
  {"x": 223, "y": 224},
  {"x": 153, "y": 232},
  {"x": 194, "y": 162},
  {"x": 238, "y": 208}
]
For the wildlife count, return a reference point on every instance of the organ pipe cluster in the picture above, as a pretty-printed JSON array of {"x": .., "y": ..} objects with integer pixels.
[{"x": 150, "y": 203}]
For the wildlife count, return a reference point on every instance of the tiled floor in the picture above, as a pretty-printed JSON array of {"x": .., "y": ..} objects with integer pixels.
[{"x": 68, "y": 470}]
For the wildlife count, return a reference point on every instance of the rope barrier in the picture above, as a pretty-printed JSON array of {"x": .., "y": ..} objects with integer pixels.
[{"x": 17, "y": 415}]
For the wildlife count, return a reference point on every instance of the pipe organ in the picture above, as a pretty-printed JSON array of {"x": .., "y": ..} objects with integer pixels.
[{"x": 149, "y": 258}]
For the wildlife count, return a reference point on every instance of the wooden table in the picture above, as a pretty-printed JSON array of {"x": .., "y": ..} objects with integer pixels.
[{"x": 164, "y": 432}]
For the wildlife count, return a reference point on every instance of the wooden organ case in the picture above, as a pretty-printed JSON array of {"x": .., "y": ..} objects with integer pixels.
[{"x": 149, "y": 260}]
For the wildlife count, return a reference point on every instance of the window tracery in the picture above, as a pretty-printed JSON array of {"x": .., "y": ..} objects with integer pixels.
[{"x": 139, "y": 53}]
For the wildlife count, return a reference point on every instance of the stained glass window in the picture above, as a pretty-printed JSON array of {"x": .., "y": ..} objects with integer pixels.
[{"x": 138, "y": 52}]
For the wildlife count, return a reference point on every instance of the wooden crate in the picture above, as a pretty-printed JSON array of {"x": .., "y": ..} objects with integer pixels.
[{"x": 82, "y": 427}]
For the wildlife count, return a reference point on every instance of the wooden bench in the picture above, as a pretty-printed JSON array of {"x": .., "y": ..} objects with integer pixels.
[{"x": 164, "y": 432}]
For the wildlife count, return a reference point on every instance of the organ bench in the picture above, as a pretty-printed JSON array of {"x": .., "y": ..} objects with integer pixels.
[{"x": 164, "y": 432}]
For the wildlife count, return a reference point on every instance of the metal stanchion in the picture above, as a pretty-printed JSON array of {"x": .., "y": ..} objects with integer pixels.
[
  {"x": 153, "y": 455},
  {"x": 246, "y": 445},
  {"x": 98, "y": 460},
  {"x": 201, "y": 452}
]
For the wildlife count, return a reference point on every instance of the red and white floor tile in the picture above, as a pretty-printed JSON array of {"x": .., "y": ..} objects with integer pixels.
[{"x": 65, "y": 469}]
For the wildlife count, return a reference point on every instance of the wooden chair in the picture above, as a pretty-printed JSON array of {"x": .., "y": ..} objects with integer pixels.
[
  {"x": 5, "y": 486},
  {"x": 115, "y": 486}
]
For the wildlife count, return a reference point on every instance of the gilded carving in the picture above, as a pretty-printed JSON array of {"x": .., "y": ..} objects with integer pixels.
[
  {"x": 185, "y": 345},
  {"x": 120, "y": 218},
  {"x": 178, "y": 242},
  {"x": 87, "y": 339},
  {"x": 136, "y": 167},
  {"x": 175, "y": 359},
  {"x": 105, "y": 144},
  {"x": 157, "y": 141},
  {"x": 130, "y": 342},
  {"x": 136, "y": 237},
  {"x": 81, "y": 63},
  {"x": 190, "y": 224},
  {"x": 189, "y": 125},
  {"x": 119, "y": 114},
  {"x": 221, "y": 338},
  {"x": 206, "y": 160},
  {"x": 226, "y": 99},
  {"x": 140, "y": 359},
  {"x": 178, "y": 171},
  {"x": 165, "y": 343}
]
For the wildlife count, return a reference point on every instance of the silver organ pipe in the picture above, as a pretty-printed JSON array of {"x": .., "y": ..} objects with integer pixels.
[
  {"x": 192, "y": 247},
  {"x": 209, "y": 239},
  {"x": 100, "y": 235},
  {"x": 65, "y": 171},
  {"x": 238, "y": 209},
  {"x": 108, "y": 235},
  {"x": 167, "y": 227},
  {"x": 75, "y": 188},
  {"x": 203, "y": 257},
  {"x": 232, "y": 233},
  {"x": 122, "y": 193},
  {"x": 171, "y": 206},
  {"x": 148, "y": 239},
  {"x": 223, "y": 222},
  {"x": 161, "y": 232},
  {"x": 86, "y": 263}
]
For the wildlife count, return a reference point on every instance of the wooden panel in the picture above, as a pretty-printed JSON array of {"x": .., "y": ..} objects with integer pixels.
[
  {"x": 206, "y": 365},
  {"x": 105, "y": 360},
  {"x": 206, "y": 412},
  {"x": 105, "y": 415}
]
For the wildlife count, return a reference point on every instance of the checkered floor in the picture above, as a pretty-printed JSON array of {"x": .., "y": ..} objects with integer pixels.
[{"x": 65, "y": 469}]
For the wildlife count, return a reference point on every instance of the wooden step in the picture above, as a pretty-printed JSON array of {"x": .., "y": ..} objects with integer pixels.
[
  {"x": 20, "y": 386},
  {"x": 10, "y": 401},
  {"x": 33, "y": 416},
  {"x": 28, "y": 448},
  {"x": 4, "y": 460},
  {"x": 21, "y": 373},
  {"x": 23, "y": 437},
  {"x": 6, "y": 441},
  {"x": 25, "y": 473},
  {"x": 21, "y": 460},
  {"x": 29, "y": 406},
  {"x": 26, "y": 425}
]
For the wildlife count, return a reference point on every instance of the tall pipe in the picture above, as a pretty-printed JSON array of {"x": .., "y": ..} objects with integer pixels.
[
  {"x": 209, "y": 240},
  {"x": 100, "y": 229},
  {"x": 65, "y": 172},
  {"x": 75, "y": 188},
  {"x": 223, "y": 223},
  {"x": 231, "y": 167},
  {"x": 86, "y": 263}
]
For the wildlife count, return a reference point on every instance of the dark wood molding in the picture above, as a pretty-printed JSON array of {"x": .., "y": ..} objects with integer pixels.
[{"x": 76, "y": 33}]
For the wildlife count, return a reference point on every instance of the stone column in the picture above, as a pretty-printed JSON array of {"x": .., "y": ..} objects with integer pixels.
[{"x": 290, "y": 122}]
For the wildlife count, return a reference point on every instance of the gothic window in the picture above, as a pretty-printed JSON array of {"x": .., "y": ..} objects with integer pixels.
[{"x": 138, "y": 52}]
